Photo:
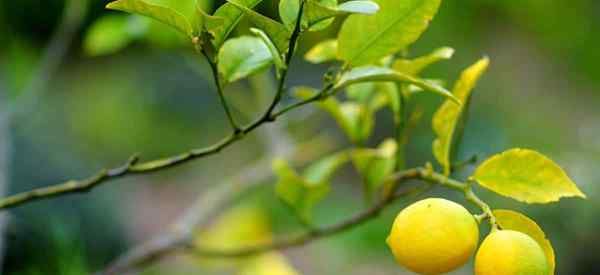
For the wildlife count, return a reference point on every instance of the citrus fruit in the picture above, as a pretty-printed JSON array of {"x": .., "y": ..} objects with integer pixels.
[
  {"x": 508, "y": 252},
  {"x": 433, "y": 236}
]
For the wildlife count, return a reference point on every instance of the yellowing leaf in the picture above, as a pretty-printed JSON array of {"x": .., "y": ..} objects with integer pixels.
[
  {"x": 383, "y": 74},
  {"x": 241, "y": 226},
  {"x": 526, "y": 176},
  {"x": 365, "y": 39},
  {"x": 511, "y": 220},
  {"x": 446, "y": 119},
  {"x": 322, "y": 52},
  {"x": 162, "y": 14},
  {"x": 272, "y": 263},
  {"x": 415, "y": 66}
]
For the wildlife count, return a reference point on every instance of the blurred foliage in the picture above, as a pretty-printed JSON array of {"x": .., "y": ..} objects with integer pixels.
[{"x": 143, "y": 97}]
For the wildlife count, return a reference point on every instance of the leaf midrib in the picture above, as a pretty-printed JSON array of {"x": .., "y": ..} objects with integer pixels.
[{"x": 386, "y": 29}]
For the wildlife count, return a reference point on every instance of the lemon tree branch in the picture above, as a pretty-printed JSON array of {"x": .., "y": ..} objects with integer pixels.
[{"x": 132, "y": 167}]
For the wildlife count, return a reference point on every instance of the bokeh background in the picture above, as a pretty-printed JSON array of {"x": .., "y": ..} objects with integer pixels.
[{"x": 152, "y": 95}]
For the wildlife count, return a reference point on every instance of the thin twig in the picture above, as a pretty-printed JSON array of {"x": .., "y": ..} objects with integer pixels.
[
  {"x": 179, "y": 239},
  {"x": 163, "y": 164},
  {"x": 217, "y": 79},
  {"x": 181, "y": 232},
  {"x": 314, "y": 234},
  {"x": 425, "y": 174}
]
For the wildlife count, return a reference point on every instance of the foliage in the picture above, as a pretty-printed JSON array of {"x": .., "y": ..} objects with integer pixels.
[{"x": 371, "y": 63}]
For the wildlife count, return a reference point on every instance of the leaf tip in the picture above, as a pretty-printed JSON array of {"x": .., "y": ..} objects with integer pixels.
[{"x": 111, "y": 5}]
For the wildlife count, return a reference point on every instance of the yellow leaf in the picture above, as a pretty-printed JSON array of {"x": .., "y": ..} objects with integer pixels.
[
  {"x": 511, "y": 220},
  {"x": 526, "y": 176},
  {"x": 268, "y": 264},
  {"x": 446, "y": 119},
  {"x": 242, "y": 226}
]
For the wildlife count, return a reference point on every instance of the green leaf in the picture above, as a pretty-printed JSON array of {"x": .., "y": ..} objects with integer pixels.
[
  {"x": 383, "y": 74},
  {"x": 319, "y": 14},
  {"x": 275, "y": 30},
  {"x": 526, "y": 176},
  {"x": 359, "y": 121},
  {"x": 361, "y": 92},
  {"x": 322, "y": 170},
  {"x": 365, "y": 39},
  {"x": 415, "y": 66},
  {"x": 375, "y": 165},
  {"x": 288, "y": 11},
  {"x": 511, "y": 220},
  {"x": 354, "y": 119},
  {"x": 446, "y": 119},
  {"x": 277, "y": 56},
  {"x": 108, "y": 35},
  {"x": 231, "y": 16},
  {"x": 297, "y": 192},
  {"x": 207, "y": 21},
  {"x": 242, "y": 56},
  {"x": 163, "y": 14},
  {"x": 323, "y": 52}
]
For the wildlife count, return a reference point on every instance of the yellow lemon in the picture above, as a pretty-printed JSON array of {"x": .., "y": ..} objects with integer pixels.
[
  {"x": 507, "y": 252},
  {"x": 433, "y": 236}
]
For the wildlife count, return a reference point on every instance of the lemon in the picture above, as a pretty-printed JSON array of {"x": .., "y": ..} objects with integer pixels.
[
  {"x": 433, "y": 236},
  {"x": 507, "y": 252}
]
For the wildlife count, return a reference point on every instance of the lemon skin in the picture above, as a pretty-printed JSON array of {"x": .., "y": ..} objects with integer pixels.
[
  {"x": 507, "y": 252},
  {"x": 433, "y": 236}
]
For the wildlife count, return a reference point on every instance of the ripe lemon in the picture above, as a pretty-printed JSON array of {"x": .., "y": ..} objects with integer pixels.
[
  {"x": 507, "y": 252},
  {"x": 433, "y": 236}
]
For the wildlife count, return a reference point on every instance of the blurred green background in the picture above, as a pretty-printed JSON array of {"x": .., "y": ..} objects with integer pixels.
[{"x": 154, "y": 96}]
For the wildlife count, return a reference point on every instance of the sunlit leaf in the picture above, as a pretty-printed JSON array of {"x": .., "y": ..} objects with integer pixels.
[
  {"x": 231, "y": 16},
  {"x": 272, "y": 263},
  {"x": 378, "y": 74},
  {"x": 446, "y": 119},
  {"x": 109, "y": 34},
  {"x": 511, "y": 220},
  {"x": 375, "y": 165},
  {"x": 526, "y": 176},
  {"x": 365, "y": 39},
  {"x": 243, "y": 56},
  {"x": 162, "y": 14},
  {"x": 243, "y": 225},
  {"x": 275, "y": 30},
  {"x": 415, "y": 66},
  {"x": 300, "y": 194},
  {"x": 325, "y": 51}
]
